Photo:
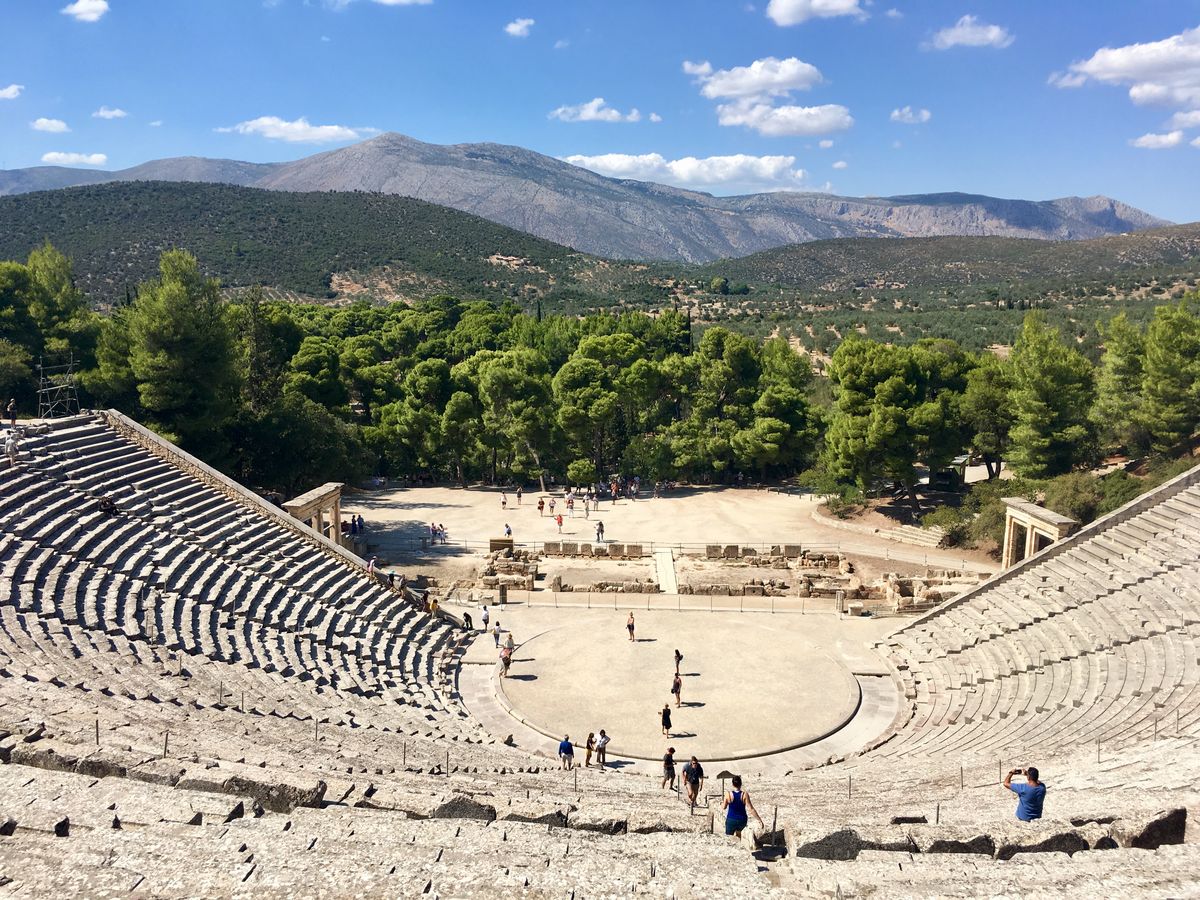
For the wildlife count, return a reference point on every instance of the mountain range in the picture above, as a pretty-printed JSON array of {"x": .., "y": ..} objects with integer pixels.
[{"x": 617, "y": 218}]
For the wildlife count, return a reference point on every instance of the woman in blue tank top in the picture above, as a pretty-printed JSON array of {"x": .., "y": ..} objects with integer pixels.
[{"x": 736, "y": 804}]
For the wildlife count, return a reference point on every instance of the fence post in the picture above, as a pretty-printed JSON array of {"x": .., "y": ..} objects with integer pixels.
[{"x": 97, "y": 731}]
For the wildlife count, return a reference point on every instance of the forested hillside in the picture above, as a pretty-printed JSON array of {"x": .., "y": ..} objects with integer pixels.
[{"x": 294, "y": 242}]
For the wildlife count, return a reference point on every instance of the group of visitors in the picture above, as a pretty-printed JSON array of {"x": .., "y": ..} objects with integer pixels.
[
  {"x": 355, "y": 525},
  {"x": 596, "y": 745},
  {"x": 437, "y": 533}
]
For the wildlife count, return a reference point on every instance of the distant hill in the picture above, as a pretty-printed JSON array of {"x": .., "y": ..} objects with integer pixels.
[
  {"x": 617, "y": 218},
  {"x": 841, "y": 265},
  {"x": 297, "y": 242}
]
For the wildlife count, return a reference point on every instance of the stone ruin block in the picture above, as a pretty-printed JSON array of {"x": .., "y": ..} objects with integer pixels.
[
  {"x": 585, "y": 549},
  {"x": 749, "y": 551},
  {"x": 792, "y": 551},
  {"x": 600, "y": 550},
  {"x": 570, "y": 549},
  {"x": 776, "y": 550},
  {"x": 712, "y": 551},
  {"x": 731, "y": 551},
  {"x": 634, "y": 551},
  {"x": 752, "y": 590},
  {"x": 552, "y": 548},
  {"x": 615, "y": 550}
]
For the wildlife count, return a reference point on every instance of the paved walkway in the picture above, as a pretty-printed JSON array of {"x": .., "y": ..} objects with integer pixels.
[{"x": 664, "y": 562}]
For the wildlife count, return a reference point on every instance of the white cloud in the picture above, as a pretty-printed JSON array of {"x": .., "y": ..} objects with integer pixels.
[
  {"x": 86, "y": 10},
  {"x": 787, "y": 120},
  {"x": 969, "y": 31},
  {"x": 109, "y": 112},
  {"x": 325, "y": 39},
  {"x": 768, "y": 77},
  {"x": 758, "y": 94},
  {"x": 894, "y": 14},
  {"x": 1158, "y": 141},
  {"x": 54, "y": 126},
  {"x": 1196, "y": 142},
  {"x": 906, "y": 115},
  {"x": 562, "y": 44},
  {"x": 12, "y": 92},
  {"x": 74, "y": 159},
  {"x": 1166, "y": 71},
  {"x": 825, "y": 144},
  {"x": 1189, "y": 119},
  {"x": 738, "y": 172},
  {"x": 595, "y": 110},
  {"x": 793, "y": 12},
  {"x": 157, "y": 123},
  {"x": 655, "y": 117},
  {"x": 841, "y": 164},
  {"x": 519, "y": 27},
  {"x": 298, "y": 131},
  {"x": 342, "y": 4}
]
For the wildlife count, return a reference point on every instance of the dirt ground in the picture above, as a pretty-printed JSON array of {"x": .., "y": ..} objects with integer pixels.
[{"x": 687, "y": 519}]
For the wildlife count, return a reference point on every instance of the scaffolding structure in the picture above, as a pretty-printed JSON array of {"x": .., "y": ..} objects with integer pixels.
[{"x": 57, "y": 394}]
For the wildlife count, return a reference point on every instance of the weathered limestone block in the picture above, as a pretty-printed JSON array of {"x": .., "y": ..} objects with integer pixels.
[
  {"x": 47, "y": 754},
  {"x": 615, "y": 550},
  {"x": 111, "y": 762},
  {"x": 846, "y": 843},
  {"x": 712, "y": 551},
  {"x": 570, "y": 549},
  {"x": 159, "y": 771},
  {"x": 753, "y": 590},
  {"x": 556, "y": 583},
  {"x": 598, "y": 819},
  {"x": 792, "y": 551},
  {"x": 600, "y": 550},
  {"x": 1037, "y": 837},
  {"x": 776, "y": 550},
  {"x": 634, "y": 551},
  {"x": 952, "y": 839},
  {"x": 552, "y": 548},
  {"x": 585, "y": 549},
  {"x": 731, "y": 551},
  {"x": 749, "y": 551},
  {"x": 461, "y": 806},
  {"x": 539, "y": 813},
  {"x": 391, "y": 797},
  {"x": 1151, "y": 831}
]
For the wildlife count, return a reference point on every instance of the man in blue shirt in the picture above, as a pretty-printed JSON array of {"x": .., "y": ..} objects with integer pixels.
[
  {"x": 1030, "y": 795},
  {"x": 566, "y": 752}
]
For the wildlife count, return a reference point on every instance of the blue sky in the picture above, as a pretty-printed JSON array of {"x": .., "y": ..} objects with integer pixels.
[{"x": 1013, "y": 99}]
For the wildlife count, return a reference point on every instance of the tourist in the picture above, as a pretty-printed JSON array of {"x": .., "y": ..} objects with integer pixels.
[
  {"x": 566, "y": 752},
  {"x": 509, "y": 642},
  {"x": 442, "y": 533},
  {"x": 505, "y": 660},
  {"x": 484, "y": 617},
  {"x": 591, "y": 746},
  {"x": 433, "y": 533},
  {"x": 558, "y": 520},
  {"x": 11, "y": 448},
  {"x": 678, "y": 660},
  {"x": 1030, "y": 795},
  {"x": 107, "y": 506},
  {"x": 602, "y": 749},
  {"x": 519, "y": 494},
  {"x": 507, "y": 530},
  {"x": 353, "y": 525},
  {"x": 391, "y": 577},
  {"x": 736, "y": 803},
  {"x": 693, "y": 778},
  {"x": 629, "y": 625},
  {"x": 541, "y": 506},
  {"x": 496, "y": 630},
  {"x": 552, "y": 502},
  {"x": 666, "y": 719},
  {"x": 599, "y": 532},
  {"x": 362, "y": 525},
  {"x": 503, "y": 500},
  {"x": 677, "y": 687},
  {"x": 371, "y": 565},
  {"x": 11, "y": 412},
  {"x": 669, "y": 769},
  {"x": 468, "y": 622}
]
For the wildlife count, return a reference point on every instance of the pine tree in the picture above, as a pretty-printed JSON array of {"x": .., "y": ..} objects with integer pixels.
[
  {"x": 1171, "y": 379},
  {"x": 1116, "y": 413},
  {"x": 1051, "y": 397}
]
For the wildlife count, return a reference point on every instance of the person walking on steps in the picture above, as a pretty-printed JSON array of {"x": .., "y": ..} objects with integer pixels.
[
  {"x": 629, "y": 626},
  {"x": 669, "y": 769},
  {"x": 693, "y": 778},
  {"x": 1030, "y": 795},
  {"x": 590, "y": 748},
  {"x": 736, "y": 804},
  {"x": 666, "y": 719}
]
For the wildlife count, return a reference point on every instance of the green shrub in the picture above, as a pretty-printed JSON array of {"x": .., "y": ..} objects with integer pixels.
[{"x": 953, "y": 522}]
